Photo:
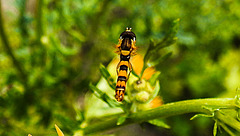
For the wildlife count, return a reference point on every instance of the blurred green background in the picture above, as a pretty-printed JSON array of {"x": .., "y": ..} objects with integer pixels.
[{"x": 57, "y": 46}]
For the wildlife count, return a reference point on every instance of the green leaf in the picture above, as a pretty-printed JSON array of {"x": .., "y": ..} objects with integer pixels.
[
  {"x": 215, "y": 129},
  {"x": 154, "y": 78},
  {"x": 170, "y": 38},
  {"x": 225, "y": 127},
  {"x": 153, "y": 48},
  {"x": 107, "y": 76},
  {"x": 61, "y": 48},
  {"x": 103, "y": 96},
  {"x": 201, "y": 115},
  {"x": 238, "y": 114},
  {"x": 155, "y": 91},
  {"x": 159, "y": 123},
  {"x": 69, "y": 123},
  {"x": 227, "y": 119},
  {"x": 126, "y": 106},
  {"x": 122, "y": 119},
  {"x": 159, "y": 60},
  {"x": 148, "y": 53},
  {"x": 237, "y": 96}
]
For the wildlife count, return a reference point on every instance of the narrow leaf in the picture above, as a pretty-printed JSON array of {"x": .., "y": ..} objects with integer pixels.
[
  {"x": 121, "y": 120},
  {"x": 215, "y": 129},
  {"x": 107, "y": 76},
  {"x": 103, "y": 96},
  {"x": 61, "y": 48},
  {"x": 237, "y": 96},
  {"x": 238, "y": 114},
  {"x": 160, "y": 60},
  {"x": 159, "y": 123},
  {"x": 201, "y": 115},
  {"x": 154, "y": 78},
  {"x": 229, "y": 120},
  {"x": 168, "y": 40},
  {"x": 225, "y": 127},
  {"x": 148, "y": 53},
  {"x": 156, "y": 89},
  {"x": 59, "y": 132}
]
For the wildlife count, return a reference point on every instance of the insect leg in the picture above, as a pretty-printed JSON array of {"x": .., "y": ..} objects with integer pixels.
[
  {"x": 130, "y": 70},
  {"x": 118, "y": 65}
]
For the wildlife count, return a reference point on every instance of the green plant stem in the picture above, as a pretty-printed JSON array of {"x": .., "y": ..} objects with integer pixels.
[
  {"x": 39, "y": 19},
  {"x": 39, "y": 33},
  {"x": 9, "y": 50},
  {"x": 166, "y": 110},
  {"x": 22, "y": 21}
]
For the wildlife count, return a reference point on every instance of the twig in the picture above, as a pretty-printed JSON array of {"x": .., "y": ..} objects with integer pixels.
[
  {"x": 167, "y": 110},
  {"x": 8, "y": 49},
  {"x": 41, "y": 57},
  {"x": 22, "y": 21}
]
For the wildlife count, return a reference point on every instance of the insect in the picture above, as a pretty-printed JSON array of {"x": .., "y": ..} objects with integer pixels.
[{"x": 125, "y": 48}]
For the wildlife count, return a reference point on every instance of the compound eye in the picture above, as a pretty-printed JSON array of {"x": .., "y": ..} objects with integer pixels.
[{"x": 120, "y": 37}]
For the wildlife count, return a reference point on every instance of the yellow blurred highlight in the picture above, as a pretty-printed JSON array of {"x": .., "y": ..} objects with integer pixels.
[
  {"x": 147, "y": 74},
  {"x": 29, "y": 135},
  {"x": 59, "y": 132},
  {"x": 156, "y": 102},
  {"x": 78, "y": 133},
  {"x": 137, "y": 63}
]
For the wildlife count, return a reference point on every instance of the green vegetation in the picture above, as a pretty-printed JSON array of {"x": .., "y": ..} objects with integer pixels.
[{"x": 58, "y": 66}]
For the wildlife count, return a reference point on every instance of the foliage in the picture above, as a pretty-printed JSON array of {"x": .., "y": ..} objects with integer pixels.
[{"x": 50, "y": 51}]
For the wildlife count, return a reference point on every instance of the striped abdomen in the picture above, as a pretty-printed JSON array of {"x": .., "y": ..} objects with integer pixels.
[{"x": 122, "y": 77}]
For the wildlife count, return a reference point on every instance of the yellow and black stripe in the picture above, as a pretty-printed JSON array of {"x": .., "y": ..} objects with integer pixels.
[{"x": 126, "y": 48}]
